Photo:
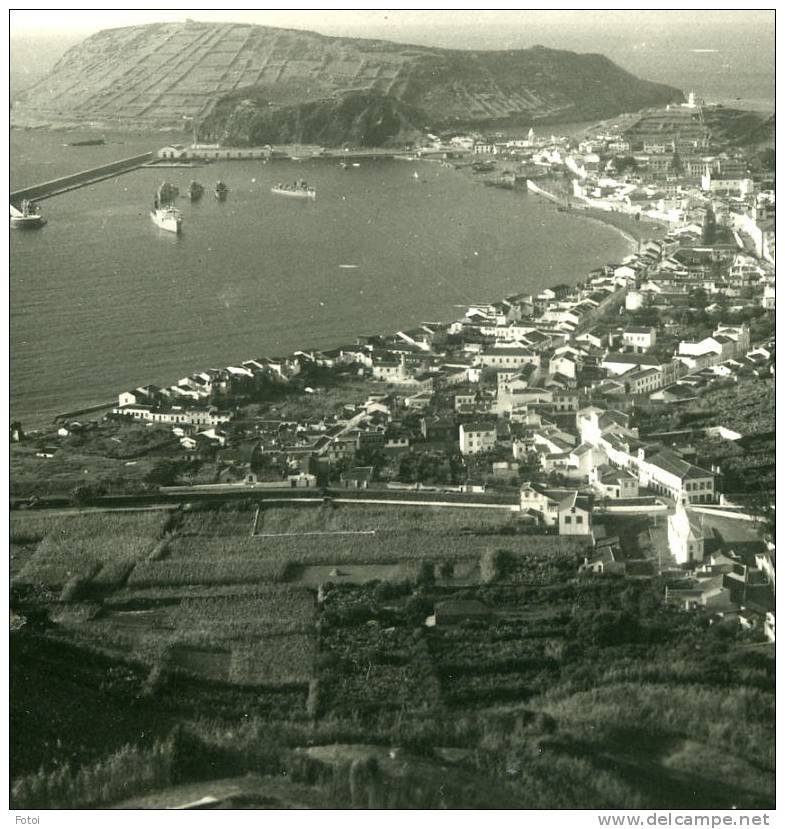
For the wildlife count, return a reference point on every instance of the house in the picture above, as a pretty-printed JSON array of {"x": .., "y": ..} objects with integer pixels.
[
  {"x": 685, "y": 536},
  {"x": 464, "y": 401},
  {"x": 390, "y": 369},
  {"x": 174, "y": 415},
  {"x": 508, "y": 357},
  {"x": 603, "y": 561},
  {"x": 669, "y": 474},
  {"x": 565, "y": 401},
  {"x": 583, "y": 458},
  {"x": 565, "y": 364},
  {"x": 575, "y": 514},
  {"x": 616, "y": 362},
  {"x": 302, "y": 480},
  {"x": 533, "y": 499},
  {"x": 710, "y": 594},
  {"x": 613, "y": 483},
  {"x": 642, "y": 380},
  {"x": 474, "y": 438},
  {"x": 357, "y": 478},
  {"x": 641, "y": 338},
  {"x": 173, "y": 151}
]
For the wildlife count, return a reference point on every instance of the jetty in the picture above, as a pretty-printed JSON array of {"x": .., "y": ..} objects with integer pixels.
[{"x": 54, "y": 187}]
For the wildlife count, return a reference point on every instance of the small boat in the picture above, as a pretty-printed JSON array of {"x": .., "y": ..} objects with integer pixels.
[
  {"x": 221, "y": 191},
  {"x": 195, "y": 191},
  {"x": 27, "y": 215},
  {"x": 299, "y": 189},
  {"x": 167, "y": 217},
  {"x": 349, "y": 267},
  {"x": 415, "y": 175}
]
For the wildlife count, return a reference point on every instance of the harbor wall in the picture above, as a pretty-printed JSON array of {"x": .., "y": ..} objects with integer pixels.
[
  {"x": 534, "y": 188},
  {"x": 46, "y": 189}
]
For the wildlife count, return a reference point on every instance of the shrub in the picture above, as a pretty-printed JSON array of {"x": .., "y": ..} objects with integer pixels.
[
  {"x": 446, "y": 569},
  {"x": 426, "y": 575}
]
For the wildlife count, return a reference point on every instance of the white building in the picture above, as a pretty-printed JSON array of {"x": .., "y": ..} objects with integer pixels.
[
  {"x": 641, "y": 338},
  {"x": 685, "y": 537},
  {"x": 474, "y": 438}
]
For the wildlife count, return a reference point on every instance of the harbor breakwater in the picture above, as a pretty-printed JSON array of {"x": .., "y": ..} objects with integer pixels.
[{"x": 47, "y": 189}]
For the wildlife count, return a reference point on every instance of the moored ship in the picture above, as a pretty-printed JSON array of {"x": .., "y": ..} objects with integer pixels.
[
  {"x": 164, "y": 214},
  {"x": 195, "y": 191},
  {"x": 167, "y": 193},
  {"x": 27, "y": 215},
  {"x": 167, "y": 217},
  {"x": 221, "y": 191},
  {"x": 299, "y": 189}
]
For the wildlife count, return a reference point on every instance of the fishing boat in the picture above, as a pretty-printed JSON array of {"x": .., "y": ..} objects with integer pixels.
[
  {"x": 221, "y": 191},
  {"x": 195, "y": 191},
  {"x": 299, "y": 189},
  {"x": 26, "y": 215}
]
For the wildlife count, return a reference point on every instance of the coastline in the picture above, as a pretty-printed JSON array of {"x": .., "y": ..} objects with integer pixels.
[
  {"x": 633, "y": 230},
  {"x": 43, "y": 422}
]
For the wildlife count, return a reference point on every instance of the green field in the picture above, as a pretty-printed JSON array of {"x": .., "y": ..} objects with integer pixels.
[
  {"x": 303, "y": 654},
  {"x": 102, "y": 547}
]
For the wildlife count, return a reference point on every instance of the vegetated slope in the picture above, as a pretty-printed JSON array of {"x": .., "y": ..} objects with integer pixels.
[
  {"x": 360, "y": 119},
  {"x": 168, "y": 74},
  {"x": 741, "y": 128}
]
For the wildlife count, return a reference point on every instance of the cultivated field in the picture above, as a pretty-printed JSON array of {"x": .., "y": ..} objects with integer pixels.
[{"x": 102, "y": 547}]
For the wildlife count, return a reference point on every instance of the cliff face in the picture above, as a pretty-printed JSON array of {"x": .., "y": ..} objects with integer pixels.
[
  {"x": 180, "y": 73},
  {"x": 359, "y": 119}
]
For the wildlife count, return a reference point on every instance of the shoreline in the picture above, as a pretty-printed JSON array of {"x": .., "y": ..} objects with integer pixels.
[
  {"x": 42, "y": 423},
  {"x": 633, "y": 230}
]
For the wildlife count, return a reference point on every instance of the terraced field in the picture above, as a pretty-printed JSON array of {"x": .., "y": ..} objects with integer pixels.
[{"x": 176, "y": 73}]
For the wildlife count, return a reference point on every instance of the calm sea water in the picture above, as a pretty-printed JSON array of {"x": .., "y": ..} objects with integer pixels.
[{"x": 102, "y": 300}]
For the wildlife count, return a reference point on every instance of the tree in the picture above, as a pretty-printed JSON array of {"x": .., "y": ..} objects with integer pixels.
[
  {"x": 768, "y": 159},
  {"x": 84, "y": 493},
  {"x": 426, "y": 575},
  {"x": 164, "y": 473},
  {"x": 709, "y": 233}
]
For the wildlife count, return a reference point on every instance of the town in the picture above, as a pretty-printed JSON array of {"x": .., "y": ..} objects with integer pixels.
[{"x": 563, "y": 496}]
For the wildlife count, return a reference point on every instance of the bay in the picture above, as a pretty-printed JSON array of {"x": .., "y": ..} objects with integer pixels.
[{"x": 103, "y": 301}]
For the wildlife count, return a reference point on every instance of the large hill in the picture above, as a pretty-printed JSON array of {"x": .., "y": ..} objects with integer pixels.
[{"x": 243, "y": 82}]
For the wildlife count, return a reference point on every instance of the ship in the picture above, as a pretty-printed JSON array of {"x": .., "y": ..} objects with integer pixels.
[
  {"x": 164, "y": 214},
  {"x": 167, "y": 193},
  {"x": 221, "y": 191},
  {"x": 195, "y": 191},
  {"x": 167, "y": 217},
  {"x": 27, "y": 215},
  {"x": 300, "y": 189}
]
